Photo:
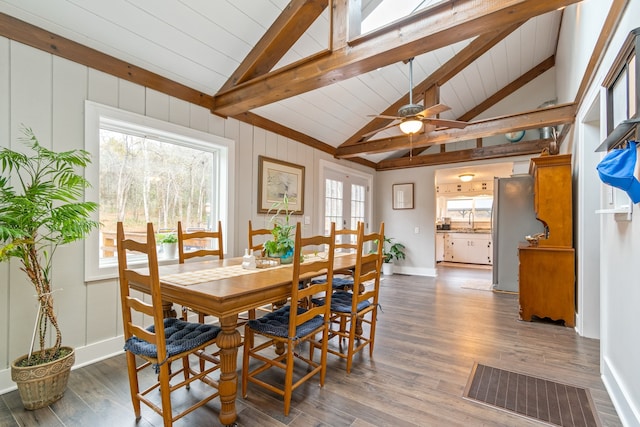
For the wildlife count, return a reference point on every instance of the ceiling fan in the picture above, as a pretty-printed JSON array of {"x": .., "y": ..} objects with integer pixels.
[{"x": 412, "y": 116}]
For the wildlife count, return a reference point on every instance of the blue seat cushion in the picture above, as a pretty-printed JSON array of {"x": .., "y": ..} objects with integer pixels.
[
  {"x": 180, "y": 336},
  {"x": 337, "y": 282},
  {"x": 341, "y": 302},
  {"x": 276, "y": 323}
]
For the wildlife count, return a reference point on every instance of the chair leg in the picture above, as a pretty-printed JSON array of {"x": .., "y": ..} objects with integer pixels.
[
  {"x": 351, "y": 343},
  {"x": 288, "y": 379},
  {"x": 165, "y": 395},
  {"x": 186, "y": 369},
  {"x": 201, "y": 320},
  {"x": 323, "y": 354},
  {"x": 248, "y": 338},
  {"x": 372, "y": 330},
  {"x": 133, "y": 383}
]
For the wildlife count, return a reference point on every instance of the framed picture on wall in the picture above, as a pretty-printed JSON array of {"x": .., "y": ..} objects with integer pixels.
[
  {"x": 277, "y": 178},
  {"x": 403, "y": 196}
]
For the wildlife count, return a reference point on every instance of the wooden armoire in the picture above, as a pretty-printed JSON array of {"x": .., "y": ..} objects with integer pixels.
[{"x": 547, "y": 270}]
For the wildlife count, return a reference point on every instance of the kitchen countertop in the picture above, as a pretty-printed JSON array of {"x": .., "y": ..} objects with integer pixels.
[{"x": 466, "y": 231}]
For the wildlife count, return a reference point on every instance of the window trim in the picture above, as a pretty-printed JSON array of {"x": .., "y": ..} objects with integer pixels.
[{"x": 95, "y": 114}]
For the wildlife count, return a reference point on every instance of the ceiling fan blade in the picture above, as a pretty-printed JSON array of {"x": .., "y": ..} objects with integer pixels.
[
  {"x": 447, "y": 123},
  {"x": 379, "y": 130},
  {"x": 428, "y": 127},
  {"x": 433, "y": 110},
  {"x": 384, "y": 117}
]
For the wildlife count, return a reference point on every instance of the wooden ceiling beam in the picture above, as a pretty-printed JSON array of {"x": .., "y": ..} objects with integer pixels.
[
  {"x": 438, "y": 26},
  {"x": 471, "y": 154},
  {"x": 447, "y": 71},
  {"x": 551, "y": 116},
  {"x": 292, "y": 23}
]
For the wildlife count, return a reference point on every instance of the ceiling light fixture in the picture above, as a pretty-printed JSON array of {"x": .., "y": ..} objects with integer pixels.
[
  {"x": 466, "y": 177},
  {"x": 411, "y": 126}
]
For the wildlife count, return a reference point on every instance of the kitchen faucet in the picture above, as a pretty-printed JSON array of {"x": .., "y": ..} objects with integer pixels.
[{"x": 472, "y": 220}]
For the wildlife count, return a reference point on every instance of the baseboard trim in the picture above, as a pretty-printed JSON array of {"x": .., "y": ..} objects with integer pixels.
[
  {"x": 627, "y": 411},
  {"x": 415, "y": 271}
]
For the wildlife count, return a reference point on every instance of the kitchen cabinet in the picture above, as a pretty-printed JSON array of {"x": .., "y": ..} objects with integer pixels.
[
  {"x": 440, "y": 244},
  {"x": 448, "y": 188},
  {"x": 481, "y": 187},
  {"x": 547, "y": 283},
  {"x": 547, "y": 270},
  {"x": 465, "y": 188},
  {"x": 469, "y": 248}
]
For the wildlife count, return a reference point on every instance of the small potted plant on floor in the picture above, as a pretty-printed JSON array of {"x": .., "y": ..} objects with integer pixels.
[
  {"x": 389, "y": 253},
  {"x": 41, "y": 208},
  {"x": 169, "y": 242}
]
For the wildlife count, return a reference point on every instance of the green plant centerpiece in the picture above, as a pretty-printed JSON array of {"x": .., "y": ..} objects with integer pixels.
[
  {"x": 169, "y": 242},
  {"x": 41, "y": 208},
  {"x": 167, "y": 238},
  {"x": 282, "y": 244},
  {"x": 392, "y": 251}
]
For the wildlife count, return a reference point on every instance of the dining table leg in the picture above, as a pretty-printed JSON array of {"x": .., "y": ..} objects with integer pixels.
[{"x": 228, "y": 341}]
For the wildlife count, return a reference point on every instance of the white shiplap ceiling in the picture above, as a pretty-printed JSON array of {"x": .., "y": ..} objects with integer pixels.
[{"x": 200, "y": 43}]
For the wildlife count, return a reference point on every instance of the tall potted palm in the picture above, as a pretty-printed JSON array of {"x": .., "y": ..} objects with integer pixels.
[{"x": 41, "y": 208}]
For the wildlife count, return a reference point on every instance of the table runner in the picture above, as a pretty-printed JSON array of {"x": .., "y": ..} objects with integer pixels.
[{"x": 201, "y": 276}]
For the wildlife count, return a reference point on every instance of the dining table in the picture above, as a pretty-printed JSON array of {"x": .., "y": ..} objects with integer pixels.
[{"x": 223, "y": 288}]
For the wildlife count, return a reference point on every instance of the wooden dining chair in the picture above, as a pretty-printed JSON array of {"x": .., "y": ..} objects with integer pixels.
[
  {"x": 293, "y": 325},
  {"x": 351, "y": 309},
  {"x": 346, "y": 242},
  {"x": 204, "y": 243},
  {"x": 199, "y": 243},
  {"x": 163, "y": 342},
  {"x": 257, "y": 237}
]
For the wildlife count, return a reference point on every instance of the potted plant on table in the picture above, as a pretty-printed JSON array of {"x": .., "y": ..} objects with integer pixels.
[
  {"x": 282, "y": 244},
  {"x": 169, "y": 242},
  {"x": 41, "y": 208},
  {"x": 389, "y": 253}
]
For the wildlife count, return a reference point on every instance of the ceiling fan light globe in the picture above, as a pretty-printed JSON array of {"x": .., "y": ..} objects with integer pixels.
[{"x": 411, "y": 126}]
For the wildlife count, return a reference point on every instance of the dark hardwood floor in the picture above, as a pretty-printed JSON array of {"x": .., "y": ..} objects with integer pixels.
[{"x": 430, "y": 333}]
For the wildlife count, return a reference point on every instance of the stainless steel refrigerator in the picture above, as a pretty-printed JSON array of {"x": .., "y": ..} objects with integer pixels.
[{"x": 512, "y": 218}]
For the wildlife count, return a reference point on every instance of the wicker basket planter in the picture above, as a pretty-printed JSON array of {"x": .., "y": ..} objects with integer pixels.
[{"x": 41, "y": 385}]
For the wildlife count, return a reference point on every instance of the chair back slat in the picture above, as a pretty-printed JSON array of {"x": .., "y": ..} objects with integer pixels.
[{"x": 212, "y": 238}]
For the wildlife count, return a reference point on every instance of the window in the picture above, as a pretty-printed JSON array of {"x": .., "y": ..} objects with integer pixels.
[
  {"x": 469, "y": 210},
  {"x": 621, "y": 84},
  {"x": 358, "y": 199},
  {"x": 151, "y": 171},
  {"x": 333, "y": 204},
  {"x": 378, "y": 14}
]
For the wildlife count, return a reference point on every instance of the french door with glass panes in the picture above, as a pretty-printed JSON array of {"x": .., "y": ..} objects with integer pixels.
[{"x": 346, "y": 200}]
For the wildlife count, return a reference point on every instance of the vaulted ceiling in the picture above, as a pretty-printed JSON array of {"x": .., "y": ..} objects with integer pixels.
[{"x": 302, "y": 68}]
